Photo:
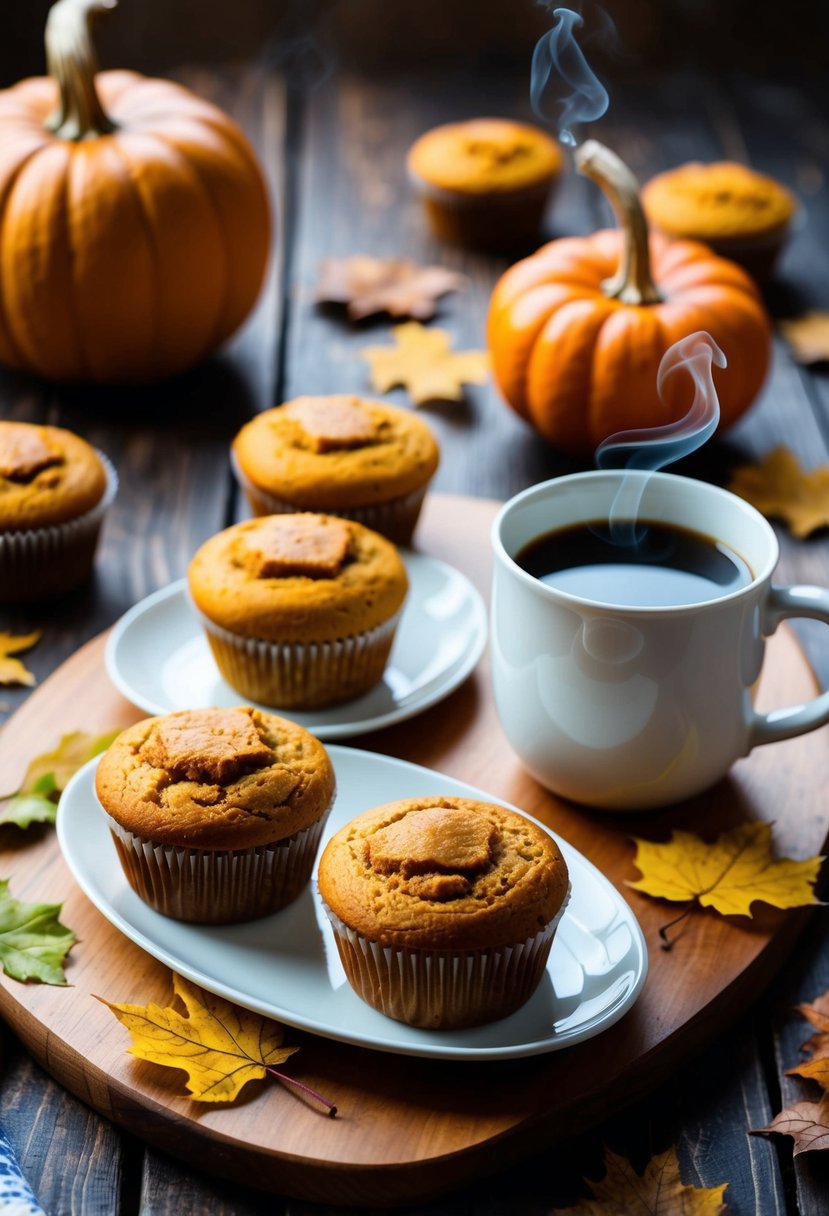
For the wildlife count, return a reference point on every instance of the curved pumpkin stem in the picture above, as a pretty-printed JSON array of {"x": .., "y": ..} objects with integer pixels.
[
  {"x": 72, "y": 63},
  {"x": 632, "y": 283}
]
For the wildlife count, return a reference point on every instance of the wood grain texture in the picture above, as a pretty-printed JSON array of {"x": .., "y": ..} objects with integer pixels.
[{"x": 412, "y": 1128}]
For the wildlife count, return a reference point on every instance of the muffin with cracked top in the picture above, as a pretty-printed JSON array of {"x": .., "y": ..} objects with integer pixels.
[
  {"x": 743, "y": 215},
  {"x": 338, "y": 455},
  {"x": 443, "y": 908},
  {"x": 300, "y": 611},
  {"x": 216, "y": 814},
  {"x": 54, "y": 491},
  {"x": 485, "y": 182}
]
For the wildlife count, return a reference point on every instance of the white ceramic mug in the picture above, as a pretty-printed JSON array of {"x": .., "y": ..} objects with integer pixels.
[{"x": 634, "y": 707}]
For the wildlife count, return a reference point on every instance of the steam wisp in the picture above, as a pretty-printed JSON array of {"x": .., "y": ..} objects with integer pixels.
[
  {"x": 578, "y": 92},
  {"x": 652, "y": 448}
]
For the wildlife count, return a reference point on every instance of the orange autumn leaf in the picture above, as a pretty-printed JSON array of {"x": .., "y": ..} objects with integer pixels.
[
  {"x": 806, "y": 1122},
  {"x": 398, "y": 286},
  {"x": 727, "y": 875},
  {"x": 659, "y": 1191},
  {"x": 219, "y": 1045},
  {"x": 12, "y": 671},
  {"x": 778, "y": 486},
  {"x": 808, "y": 336},
  {"x": 816, "y": 1067},
  {"x": 422, "y": 362}
]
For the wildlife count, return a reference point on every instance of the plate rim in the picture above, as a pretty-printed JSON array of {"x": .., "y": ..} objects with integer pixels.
[
  {"x": 451, "y": 679},
  {"x": 370, "y": 1042}
]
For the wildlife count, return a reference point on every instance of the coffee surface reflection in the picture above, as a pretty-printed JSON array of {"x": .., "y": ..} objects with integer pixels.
[{"x": 643, "y": 564}]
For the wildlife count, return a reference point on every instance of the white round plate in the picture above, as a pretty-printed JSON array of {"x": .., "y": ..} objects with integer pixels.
[
  {"x": 158, "y": 657},
  {"x": 286, "y": 966}
]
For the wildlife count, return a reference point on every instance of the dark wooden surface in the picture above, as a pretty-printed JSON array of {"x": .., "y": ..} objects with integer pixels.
[{"x": 333, "y": 145}]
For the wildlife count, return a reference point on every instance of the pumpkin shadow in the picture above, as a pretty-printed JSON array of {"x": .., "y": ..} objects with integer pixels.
[{"x": 211, "y": 400}]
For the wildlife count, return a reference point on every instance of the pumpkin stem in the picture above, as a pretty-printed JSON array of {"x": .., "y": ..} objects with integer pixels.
[
  {"x": 72, "y": 63},
  {"x": 632, "y": 283}
]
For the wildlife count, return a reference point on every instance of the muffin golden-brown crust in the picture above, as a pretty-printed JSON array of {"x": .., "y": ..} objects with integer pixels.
[
  {"x": 443, "y": 873},
  {"x": 242, "y": 580},
  {"x": 337, "y": 452},
  {"x": 485, "y": 155},
  {"x": 721, "y": 200},
  {"x": 47, "y": 476},
  {"x": 215, "y": 779}
]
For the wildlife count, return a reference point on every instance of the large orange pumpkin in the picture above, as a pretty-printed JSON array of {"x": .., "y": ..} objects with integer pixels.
[
  {"x": 577, "y": 330},
  {"x": 134, "y": 221}
]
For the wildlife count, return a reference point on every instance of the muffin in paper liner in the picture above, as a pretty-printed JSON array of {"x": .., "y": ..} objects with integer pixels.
[
  {"x": 395, "y": 519},
  {"x": 39, "y": 563},
  {"x": 496, "y": 223},
  {"x": 444, "y": 989},
  {"x": 218, "y": 887},
  {"x": 293, "y": 675}
]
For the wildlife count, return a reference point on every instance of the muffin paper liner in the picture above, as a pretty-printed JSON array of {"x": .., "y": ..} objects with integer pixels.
[
  {"x": 218, "y": 887},
  {"x": 39, "y": 562},
  {"x": 495, "y": 221},
  {"x": 287, "y": 675},
  {"x": 444, "y": 989},
  {"x": 395, "y": 519}
]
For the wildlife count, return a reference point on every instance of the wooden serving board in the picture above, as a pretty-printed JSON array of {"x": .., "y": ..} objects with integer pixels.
[{"x": 409, "y": 1129}]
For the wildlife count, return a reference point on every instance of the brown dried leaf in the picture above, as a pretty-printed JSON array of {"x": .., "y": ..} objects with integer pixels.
[
  {"x": 806, "y": 1122},
  {"x": 778, "y": 486},
  {"x": 398, "y": 286},
  {"x": 659, "y": 1191},
  {"x": 816, "y": 1067},
  {"x": 423, "y": 363},
  {"x": 12, "y": 671},
  {"x": 808, "y": 336}
]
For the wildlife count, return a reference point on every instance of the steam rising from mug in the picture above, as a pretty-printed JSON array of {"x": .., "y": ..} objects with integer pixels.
[
  {"x": 652, "y": 448},
  {"x": 558, "y": 57}
]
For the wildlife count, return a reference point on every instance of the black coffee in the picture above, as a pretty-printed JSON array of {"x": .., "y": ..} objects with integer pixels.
[{"x": 646, "y": 565}]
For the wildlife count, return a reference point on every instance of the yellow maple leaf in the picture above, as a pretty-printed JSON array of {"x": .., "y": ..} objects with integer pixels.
[
  {"x": 659, "y": 1191},
  {"x": 808, "y": 336},
  {"x": 12, "y": 671},
  {"x": 219, "y": 1045},
  {"x": 780, "y": 487},
  {"x": 73, "y": 751},
  {"x": 727, "y": 875},
  {"x": 422, "y": 362}
]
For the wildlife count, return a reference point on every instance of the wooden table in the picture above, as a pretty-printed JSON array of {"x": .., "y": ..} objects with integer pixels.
[{"x": 333, "y": 152}]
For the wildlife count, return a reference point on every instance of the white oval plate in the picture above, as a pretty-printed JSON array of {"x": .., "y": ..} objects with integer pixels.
[
  {"x": 286, "y": 966},
  {"x": 158, "y": 657}
]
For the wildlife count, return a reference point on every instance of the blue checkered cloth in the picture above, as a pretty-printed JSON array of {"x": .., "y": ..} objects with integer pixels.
[{"x": 16, "y": 1196}]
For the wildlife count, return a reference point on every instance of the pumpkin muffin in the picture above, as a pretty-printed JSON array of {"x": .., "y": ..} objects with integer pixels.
[
  {"x": 216, "y": 814},
  {"x": 54, "y": 491},
  {"x": 341, "y": 455},
  {"x": 485, "y": 182},
  {"x": 443, "y": 909},
  {"x": 741, "y": 214},
  {"x": 300, "y": 610}
]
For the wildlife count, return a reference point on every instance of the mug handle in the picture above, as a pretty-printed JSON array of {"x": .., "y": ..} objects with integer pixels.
[{"x": 783, "y": 602}]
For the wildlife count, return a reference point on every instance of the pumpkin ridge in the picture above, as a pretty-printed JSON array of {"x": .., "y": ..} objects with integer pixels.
[
  {"x": 146, "y": 224},
  {"x": 29, "y": 337},
  {"x": 191, "y": 174},
  {"x": 6, "y": 187}
]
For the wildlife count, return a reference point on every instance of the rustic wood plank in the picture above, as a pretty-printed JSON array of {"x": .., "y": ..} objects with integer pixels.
[{"x": 48, "y": 1127}]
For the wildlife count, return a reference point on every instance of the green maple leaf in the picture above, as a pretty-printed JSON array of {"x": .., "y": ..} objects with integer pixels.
[
  {"x": 34, "y": 806},
  {"x": 46, "y": 778},
  {"x": 33, "y": 942}
]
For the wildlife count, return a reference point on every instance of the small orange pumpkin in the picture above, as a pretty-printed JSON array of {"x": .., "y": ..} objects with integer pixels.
[
  {"x": 134, "y": 220},
  {"x": 577, "y": 330}
]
